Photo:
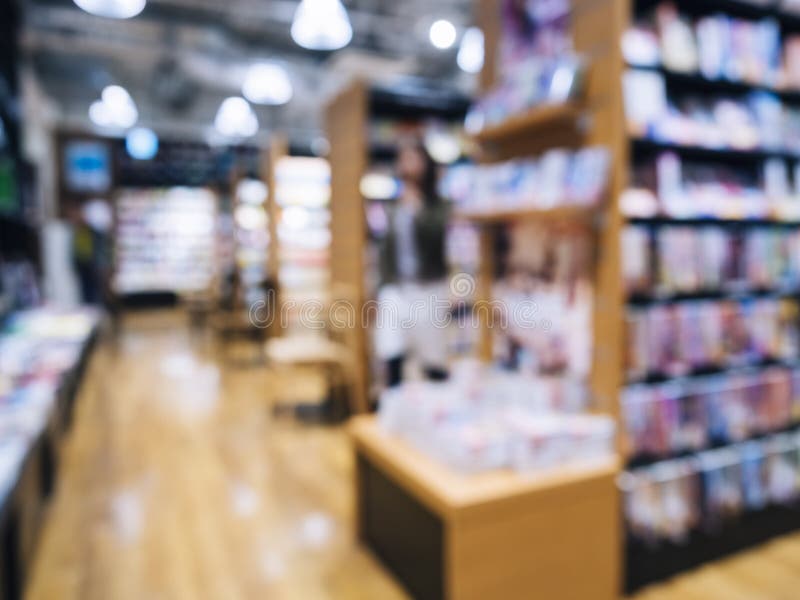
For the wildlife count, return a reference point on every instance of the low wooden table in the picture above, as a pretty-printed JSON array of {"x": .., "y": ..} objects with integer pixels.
[{"x": 553, "y": 535}]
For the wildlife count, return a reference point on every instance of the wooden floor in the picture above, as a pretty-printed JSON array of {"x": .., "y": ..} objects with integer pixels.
[{"x": 176, "y": 483}]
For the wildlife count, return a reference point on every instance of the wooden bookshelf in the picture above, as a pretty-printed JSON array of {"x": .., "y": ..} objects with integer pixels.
[
  {"x": 578, "y": 216},
  {"x": 491, "y": 535},
  {"x": 596, "y": 119},
  {"x": 647, "y": 561},
  {"x": 535, "y": 120}
]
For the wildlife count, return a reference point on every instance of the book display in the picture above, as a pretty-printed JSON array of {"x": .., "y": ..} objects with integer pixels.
[
  {"x": 302, "y": 197},
  {"x": 685, "y": 218},
  {"x": 164, "y": 240},
  {"x": 251, "y": 237},
  {"x": 559, "y": 178},
  {"x": 709, "y": 409},
  {"x": 43, "y": 352},
  {"x": 484, "y": 420},
  {"x": 39, "y": 347},
  {"x": 531, "y": 204}
]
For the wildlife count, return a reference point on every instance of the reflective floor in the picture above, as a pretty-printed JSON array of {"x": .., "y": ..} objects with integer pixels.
[{"x": 177, "y": 483}]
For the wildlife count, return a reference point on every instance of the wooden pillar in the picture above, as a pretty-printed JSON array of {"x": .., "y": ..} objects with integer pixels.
[{"x": 346, "y": 125}]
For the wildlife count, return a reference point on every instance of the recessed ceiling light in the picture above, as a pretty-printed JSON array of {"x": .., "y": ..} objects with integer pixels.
[{"x": 442, "y": 34}]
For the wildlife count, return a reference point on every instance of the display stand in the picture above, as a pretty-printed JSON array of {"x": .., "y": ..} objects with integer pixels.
[
  {"x": 493, "y": 535},
  {"x": 22, "y": 508},
  {"x": 302, "y": 211},
  {"x": 594, "y": 119}
]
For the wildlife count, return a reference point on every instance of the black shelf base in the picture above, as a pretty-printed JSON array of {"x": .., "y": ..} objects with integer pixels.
[
  {"x": 148, "y": 300},
  {"x": 645, "y": 564}
]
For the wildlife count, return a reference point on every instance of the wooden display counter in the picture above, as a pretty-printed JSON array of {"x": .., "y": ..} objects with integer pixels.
[
  {"x": 23, "y": 504},
  {"x": 552, "y": 535}
]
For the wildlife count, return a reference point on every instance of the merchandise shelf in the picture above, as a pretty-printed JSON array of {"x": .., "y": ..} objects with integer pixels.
[{"x": 540, "y": 118}]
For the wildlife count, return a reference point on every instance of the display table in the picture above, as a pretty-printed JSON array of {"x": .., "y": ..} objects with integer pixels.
[
  {"x": 43, "y": 354},
  {"x": 553, "y": 535}
]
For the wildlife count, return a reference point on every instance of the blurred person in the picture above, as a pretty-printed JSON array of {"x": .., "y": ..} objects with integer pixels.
[
  {"x": 83, "y": 257},
  {"x": 413, "y": 271},
  {"x": 91, "y": 250}
]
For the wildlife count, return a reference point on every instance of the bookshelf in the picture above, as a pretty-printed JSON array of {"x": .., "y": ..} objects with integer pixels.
[
  {"x": 719, "y": 457},
  {"x": 599, "y": 118}
]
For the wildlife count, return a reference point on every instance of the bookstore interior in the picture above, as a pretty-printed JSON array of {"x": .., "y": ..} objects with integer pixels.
[{"x": 339, "y": 299}]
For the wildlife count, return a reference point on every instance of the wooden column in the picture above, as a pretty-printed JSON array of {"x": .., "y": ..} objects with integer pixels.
[
  {"x": 277, "y": 149},
  {"x": 346, "y": 124}
]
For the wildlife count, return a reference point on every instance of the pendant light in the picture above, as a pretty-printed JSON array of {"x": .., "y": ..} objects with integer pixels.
[
  {"x": 267, "y": 83},
  {"x": 115, "y": 108},
  {"x": 235, "y": 118},
  {"x": 112, "y": 9},
  {"x": 321, "y": 25}
]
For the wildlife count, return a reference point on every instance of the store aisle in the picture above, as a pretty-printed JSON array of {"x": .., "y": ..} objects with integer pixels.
[{"x": 177, "y": 484}]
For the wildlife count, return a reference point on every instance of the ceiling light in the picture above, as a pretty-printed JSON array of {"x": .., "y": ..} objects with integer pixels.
[
  {"x": 442, "y": 34},
  {"x": 99, "y": 114},
  {"x": 115, "y": 95},
  {"x": 141, "y": 143},
  {"x": 114, "y": 109},
  {"x": 470, "y": 53},
  {"x": 235, "y": 118},
  {"x": 112, "y": 9},
  {"x": 321, "y": 25},
  {"x": 120, "y": 105},
  {"x": 267, "y": 83}
]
